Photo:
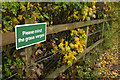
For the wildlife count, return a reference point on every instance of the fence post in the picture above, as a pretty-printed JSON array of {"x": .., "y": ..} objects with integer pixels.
[
  {"x": 28, "y": 52},
  {"x": 87, "y": 29},
  {"x": 103, "y": 29}
]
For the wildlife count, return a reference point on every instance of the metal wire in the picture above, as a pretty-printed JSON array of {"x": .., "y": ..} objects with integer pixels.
[
  {"x": 38, "y": 61},
  {"x": 95, "y": 32},
  {"x": 11, "y": 76}
]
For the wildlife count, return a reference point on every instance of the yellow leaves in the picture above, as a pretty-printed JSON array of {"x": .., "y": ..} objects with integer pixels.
[
  {"x": 61, "y": 45},
  {"x": 69, "y": 62},
  {"x": 74, "y": 52},
  {"x": 63, "y": 61},
  {"x": 116, "y": 74},
  {"x": 61, "y": 40},
  {"x": 36, "y": 53},
  {"x": 31, "y": 5},
  {"x": 23, "y": 7},
  {"x": 63, "y": 51},
  {"x": 71, "y": 55},
  {"x": 75, "y": 32},
  {"x": 5, "y": 30},
  {"x": 68, "y": 12},
  {"x": 81, "y": 31},
  {"x": 35, "y": 22},
  {"x": 59, "y": 10},
  {"x": 76, "y": 39},
  {"x": 35, "y": 15},
  {"x": 71, "y": 34},
  {"x": 90, "y": 13},
  {"x": 76, "y": 12},
  {"x": 83, "y": 18},
  {"x": 106, "y": 70},
  {"x": 66, "y": 57},
  {"x": 93, "y": 3},
  {"x": 55, "y": 47},
  {"x": 116, "y": 58},
  {"x": 15, "y": 21},
  {"x": 69, "y": 18},
  {"x": 47, "y": 23},
  {"x": 66, "y": 43},
  {"x": 38, "y": 45},
  {"x": 77, "y": 66},
  {"x": 28, "y": 6},
  {"x": 83, "y": 42},
  {"x": 86, "y": 10},
  {"x": 93, "y": 7},
  {"x": 90, "y": 9},
  {"x": 74, "y": 15},
  {"x": 44, "y": 49},
  {"x": 2, "y": 32},
  {"x": 80, "y": 50},
  {"x": 68, "y": 48},
  {"x": 72, "y": 49},
  {"x": 56, "y": 7},
  {"x": 20, "y": 17},
  {"x": 76, "y": 46},
  {"x": 72, "y": 45}
]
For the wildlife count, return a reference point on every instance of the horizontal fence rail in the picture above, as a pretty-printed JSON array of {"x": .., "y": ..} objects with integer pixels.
[{"x": 9, "y": 38}]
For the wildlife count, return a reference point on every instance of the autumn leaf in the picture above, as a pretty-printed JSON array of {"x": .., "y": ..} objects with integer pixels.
[
  {"x": 20, "y": 17},
  {"x": 22, "y": 53},
  {"x": 39, "y": 73}
]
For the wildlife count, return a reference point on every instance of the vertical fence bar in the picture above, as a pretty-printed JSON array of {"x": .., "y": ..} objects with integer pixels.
[
  {"x": 28, "y": 52},
  {"x": 103, "y": 29},
  {"x": 87, "y": 29},
  {"x": 0, "y": 41}
]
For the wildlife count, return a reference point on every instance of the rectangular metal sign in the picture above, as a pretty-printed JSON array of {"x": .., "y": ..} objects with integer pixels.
[{"x": 29, "y": 34}]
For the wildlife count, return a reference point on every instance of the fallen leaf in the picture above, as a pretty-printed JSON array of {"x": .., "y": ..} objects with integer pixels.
[
  {"x": 12, "y": 67},
  {"x": 39, "y": 51},
  {"x": 22, "y": 53},
  {"x": 39, "y": 72}
]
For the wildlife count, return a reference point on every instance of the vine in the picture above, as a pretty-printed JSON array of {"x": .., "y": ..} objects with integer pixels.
[{"x": 70, "y": 50}]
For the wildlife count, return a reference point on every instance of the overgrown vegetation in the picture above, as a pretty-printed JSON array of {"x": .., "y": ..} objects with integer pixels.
[
  {"x": 100, "y": 63},
  {"x": 67, "y": 43}
]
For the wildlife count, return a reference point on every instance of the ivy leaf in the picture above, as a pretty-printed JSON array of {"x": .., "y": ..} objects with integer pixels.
[
  {"x": 51, "y": 22},
  {"x": 3, "y": 10},
  {"x": 46, "y": 16},
  {"x": 88, "y": 18},
  {"x": 36, "y": 53},
  {"x": 41, "y": 16},
  {"x": 14, "y": 11},
  {"x": 65, "y": 7}
]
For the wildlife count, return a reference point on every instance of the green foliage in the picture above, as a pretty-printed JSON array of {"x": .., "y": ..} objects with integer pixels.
[
  {"x": 111, "y": 28},
  {"x": 15, "y": 13},
  {"x": 11, "y": 64}
]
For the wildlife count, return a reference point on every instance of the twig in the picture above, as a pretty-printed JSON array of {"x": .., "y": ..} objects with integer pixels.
[{"x": 11, "y": 76}]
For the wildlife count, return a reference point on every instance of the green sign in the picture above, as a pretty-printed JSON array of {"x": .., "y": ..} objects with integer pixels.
[{"x": 29, "y": 34}]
